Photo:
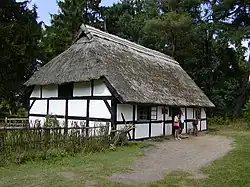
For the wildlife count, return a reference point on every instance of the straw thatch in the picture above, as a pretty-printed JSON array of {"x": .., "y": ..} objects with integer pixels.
[{"x": 137, "y": 74}]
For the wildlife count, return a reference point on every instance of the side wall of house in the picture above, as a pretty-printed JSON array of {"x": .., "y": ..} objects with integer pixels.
[
  {"x": 93, "y": 95},
  {"x": 159, "y": 127}
]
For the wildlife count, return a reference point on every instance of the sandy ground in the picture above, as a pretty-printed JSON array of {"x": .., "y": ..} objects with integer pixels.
[{"x": 187, "y": 155}]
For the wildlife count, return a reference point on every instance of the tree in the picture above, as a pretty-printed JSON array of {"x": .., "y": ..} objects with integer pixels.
[
  {"x": 19, "y": 36},
  {"x": 65, "y": 24}
]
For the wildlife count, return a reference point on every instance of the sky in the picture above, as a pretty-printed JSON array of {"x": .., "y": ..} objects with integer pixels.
[{"x": 47, "y": 7}]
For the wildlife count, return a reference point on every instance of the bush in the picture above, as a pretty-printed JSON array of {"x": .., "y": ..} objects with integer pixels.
[
  {"x": 220, "y": 120},
  {"x": 246, "y": 112}
]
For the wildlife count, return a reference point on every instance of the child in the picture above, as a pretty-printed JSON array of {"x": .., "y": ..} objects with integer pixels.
[
  {"x": 176, "y": 127},
  {"x": 195, "y": 129}
]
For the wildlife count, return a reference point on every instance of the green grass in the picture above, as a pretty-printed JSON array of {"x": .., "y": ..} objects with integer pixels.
[{"x": 93, "y": 170}]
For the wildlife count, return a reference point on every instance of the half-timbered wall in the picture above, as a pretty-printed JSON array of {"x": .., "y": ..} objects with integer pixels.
[
  {"x": 86, "y": 95},
  {"x": 161, "y": 126},
  {"x": 91, "y": 105}
]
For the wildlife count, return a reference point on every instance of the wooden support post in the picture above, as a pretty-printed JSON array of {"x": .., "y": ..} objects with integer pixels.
[
  {"x": 47, "y": 107},
  {"x": 114, "y": 113},
  {"x": 87, "y": 117},
  {"x": 92, "y": 87},
  {"x": 186, "y": 119},
  {"x": 133, "y": 121},
  {"x": 66, "y": 116},
  {"x": 41, "y": 91},
  {"x": 164, "y": 120},
  {"x": 149, "y": 128}
]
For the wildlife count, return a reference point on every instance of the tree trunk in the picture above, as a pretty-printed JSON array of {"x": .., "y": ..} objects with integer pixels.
[{"x": 241, "y": 98}]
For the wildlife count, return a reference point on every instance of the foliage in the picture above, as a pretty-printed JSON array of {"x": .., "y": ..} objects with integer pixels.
[
  {"x": 246, "y": 112},
  {"x": 65, "y": 25},
  {"x": 85, "y": 169},
  {"x": 204, "y": 36},
  {"x": 21, "y": 145},
  {"x": 20, "y": 34}
]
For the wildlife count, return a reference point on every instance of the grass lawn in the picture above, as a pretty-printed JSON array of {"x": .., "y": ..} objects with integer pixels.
[{"x": 92, "y": 170}]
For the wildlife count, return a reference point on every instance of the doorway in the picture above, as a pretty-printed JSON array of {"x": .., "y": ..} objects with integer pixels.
[{"x": 175, "y": 110}]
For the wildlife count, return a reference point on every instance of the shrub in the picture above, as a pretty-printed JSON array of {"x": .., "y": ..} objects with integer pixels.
[{"x": 246, "y": 112}]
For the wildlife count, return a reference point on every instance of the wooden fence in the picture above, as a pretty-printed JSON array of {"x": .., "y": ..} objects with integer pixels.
[
  {"x": 24, "y": 143},
  {"x": 14, "y": 122}
]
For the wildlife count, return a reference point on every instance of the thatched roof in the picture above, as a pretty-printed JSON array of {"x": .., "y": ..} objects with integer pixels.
[{"x": 137, "y": 74}]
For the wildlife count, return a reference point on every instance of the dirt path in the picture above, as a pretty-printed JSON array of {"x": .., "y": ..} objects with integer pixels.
[{"x": 186, "y": 155}]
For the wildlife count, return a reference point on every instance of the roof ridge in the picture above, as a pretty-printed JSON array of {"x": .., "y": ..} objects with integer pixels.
[{"x": 129, "y": 44}]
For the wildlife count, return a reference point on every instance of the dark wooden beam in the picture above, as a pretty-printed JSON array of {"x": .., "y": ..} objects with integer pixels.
[
  {"x": 92, "y": 87},
  {"x": 30, "y": 106},
  {"x": 133, "y": 122},
  {"x": 66, "y": 116},
  {"x": 113, "y": 114},
  {"x": 75, "y": 98},
  {"x": 74, "y": 117},
  {"x": 47, "y": 107},
  {"x": 112, "y": 90},
  {"x": 164, "y": 119},
  {"x": 87, "y": 116},
  {"x": 108, "y": 106},
  {"x": 186, "y": 119},
  {"x": 150, "y": 126},
  {"x": 123, "y": 118},
  {"x": 41, "y": 91}
]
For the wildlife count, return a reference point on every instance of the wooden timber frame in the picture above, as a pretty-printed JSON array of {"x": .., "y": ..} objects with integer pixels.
[{"x": 115, "y": 100}]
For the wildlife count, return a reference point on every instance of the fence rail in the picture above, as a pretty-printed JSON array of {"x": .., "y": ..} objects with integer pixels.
[
  {"x": 24, "y": 143},
  {"x": 14, "y": 122}
]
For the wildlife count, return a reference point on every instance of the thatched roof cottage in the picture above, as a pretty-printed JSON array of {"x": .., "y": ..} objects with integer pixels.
[{"x": 104, "y": 78}]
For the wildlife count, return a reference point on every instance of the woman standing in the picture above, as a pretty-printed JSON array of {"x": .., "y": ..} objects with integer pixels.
[
  {"x": 182, "y": 120},
  {"x": 177, "y": 126}
]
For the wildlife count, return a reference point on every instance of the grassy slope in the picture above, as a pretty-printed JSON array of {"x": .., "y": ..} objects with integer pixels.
[{"x": 92, "y": 170}]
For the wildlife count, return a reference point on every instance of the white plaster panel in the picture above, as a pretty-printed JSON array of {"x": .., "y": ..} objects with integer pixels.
[
  {"x": 168, "y": 129},
  {"x": 101, "y": 89},
  {"x": 77, "y": 108},
  {"x": 57, "y": 107},
  {"x": 127, "y": 111},
  {"x": 159, "y": 113},
  {"x": 141, "y": 131},
  {"x": 98, "y": 109},
  {"x": 203, "y": 113},
  {"x": 50, "y": 91},
  {"x": 189, "y": 113},
  {"x": 189, "y": 125},
  {"x": 156, "y": 129},
  {"x": 35, "y": 92},
  {"x": 203, "y": 125},
  {"x": 39, "y": 107},
  {"x": 82, "y": 89}
]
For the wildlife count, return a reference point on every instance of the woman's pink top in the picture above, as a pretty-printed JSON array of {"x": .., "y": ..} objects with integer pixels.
[{"x": 176, "y": 121}]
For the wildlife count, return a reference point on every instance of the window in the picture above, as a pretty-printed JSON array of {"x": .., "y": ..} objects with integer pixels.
[
  {"x": 143, "y": 113},
  {"x": 154, "y": 113},
  {"x": 146, "y": 112},
  {"x": 198, "y": 113},
  {"x": 65, "y": 90}
]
